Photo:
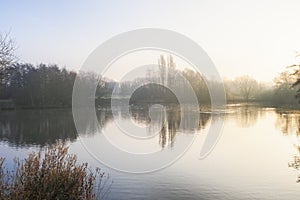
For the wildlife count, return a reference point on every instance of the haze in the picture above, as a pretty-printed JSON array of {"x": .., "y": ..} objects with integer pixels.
[{"x": 257, "y": 38}]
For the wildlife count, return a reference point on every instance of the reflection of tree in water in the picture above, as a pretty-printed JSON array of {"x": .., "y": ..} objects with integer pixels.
[
  {"x": 289, "y": 124},
  {"x": 21, "y": 128},
  {"x": 40, "y": 127},
  {"x": 140, "y": 115},
  {"x": 171, "y": 118},
  {"x": 295, "y": 163},
  {"x": 172, "y": 121},
  {"x": 104, "y": 115},
  {"x": 247, "y": 116}
]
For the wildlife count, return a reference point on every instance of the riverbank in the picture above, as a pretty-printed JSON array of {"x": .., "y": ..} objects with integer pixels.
[{"x": 9, "y": 105}]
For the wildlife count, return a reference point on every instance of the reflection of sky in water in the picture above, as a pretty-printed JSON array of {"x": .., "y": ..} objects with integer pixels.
[{"x": 250, "y": 160}]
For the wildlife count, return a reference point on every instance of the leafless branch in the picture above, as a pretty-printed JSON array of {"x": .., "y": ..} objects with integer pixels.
[{"x": 7, "y": 50}]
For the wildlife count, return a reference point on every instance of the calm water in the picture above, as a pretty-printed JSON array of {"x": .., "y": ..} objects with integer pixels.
[{"x": 250, "y": 161}]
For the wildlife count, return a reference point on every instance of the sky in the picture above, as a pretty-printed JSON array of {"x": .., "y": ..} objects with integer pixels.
[{"x": 258, "y": 38}]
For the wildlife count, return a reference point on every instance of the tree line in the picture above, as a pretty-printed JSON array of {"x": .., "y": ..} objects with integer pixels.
[
  {"x": 51, "y": 86},
  {"x": 35, "y": 86},
  {"x": 283, "y": 91},
  {"x": 44, "y": 85}
]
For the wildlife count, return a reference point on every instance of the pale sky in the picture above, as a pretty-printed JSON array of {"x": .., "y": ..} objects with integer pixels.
[{"x": 258, "y": 38}]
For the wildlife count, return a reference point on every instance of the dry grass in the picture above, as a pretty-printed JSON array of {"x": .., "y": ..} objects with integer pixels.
[{"x": 52, "y": 174}]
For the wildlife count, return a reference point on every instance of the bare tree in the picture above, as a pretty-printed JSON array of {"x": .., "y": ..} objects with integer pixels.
[
  {"x": 7, "y": 50},
  {"x": 247, "y": 87},
  {"x": 163, "y": 70},
  {"x": 7, "y": 57},
  {"x": 295, "y": 77}
]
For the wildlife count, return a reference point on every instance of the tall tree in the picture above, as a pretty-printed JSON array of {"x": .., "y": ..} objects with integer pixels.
[
  {"x": 7, "y": 50},
  {"x": 7, "y": 57},
  {"x": 247, "y": 87},
  {"x": 296, "y": 77},
  {"x": 284, "y": 92}
]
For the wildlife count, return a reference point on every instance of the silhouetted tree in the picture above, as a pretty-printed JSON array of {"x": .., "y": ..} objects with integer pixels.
[
  {"x": 7, "y": 57},
  {"x": 284, "y": 91},
  {"x": 7, "y": 50},
  {"x": 296, "y": 77}
]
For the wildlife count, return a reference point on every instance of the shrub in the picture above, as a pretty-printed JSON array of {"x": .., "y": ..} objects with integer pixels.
[{"x": 52, "y": 174}]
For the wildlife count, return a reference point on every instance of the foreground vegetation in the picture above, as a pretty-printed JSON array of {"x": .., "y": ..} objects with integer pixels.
[{"x": 52, "y": 174}]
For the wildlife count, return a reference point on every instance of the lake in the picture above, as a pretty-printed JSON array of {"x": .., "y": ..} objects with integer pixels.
[{"x": 253, "y": 158}]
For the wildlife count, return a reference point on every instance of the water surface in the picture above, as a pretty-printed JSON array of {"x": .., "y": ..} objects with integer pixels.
[{"x": 250, "y": 161}]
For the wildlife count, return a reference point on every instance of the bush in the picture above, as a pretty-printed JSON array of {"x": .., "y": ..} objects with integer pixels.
[{"x": 52, "y": 174}]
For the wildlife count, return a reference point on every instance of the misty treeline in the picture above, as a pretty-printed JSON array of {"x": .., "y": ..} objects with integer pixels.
[
  {"x": 282, "y": 90},
  {"x": 166, "y": 84},
  {"x": 51, "y": 86}
]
